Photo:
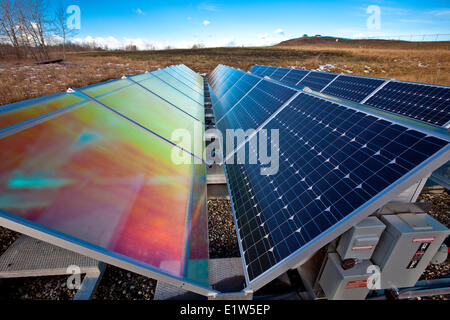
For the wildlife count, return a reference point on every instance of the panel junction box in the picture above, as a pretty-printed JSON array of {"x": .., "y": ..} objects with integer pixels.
[
  {"x": 340, "y": 284},
  {"x": 360, "y": 241},
  {"x": 406, "y": 248}
]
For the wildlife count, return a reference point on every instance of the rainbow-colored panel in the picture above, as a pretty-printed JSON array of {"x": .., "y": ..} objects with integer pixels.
[
  {"x": 20, "y": 112},
  {"x": 155, "y": 114},
  {"x": 106, "y": 88},
  {"x": 175, "y": 97},
  {"x": 179, "y": 85},
  {"x": 94, "y": 175}
]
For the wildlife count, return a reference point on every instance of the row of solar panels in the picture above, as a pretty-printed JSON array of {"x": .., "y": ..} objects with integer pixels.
[
  {"x": 419, "y": 101},
  {"x": 337, "y": 164},
  {"x": 93, "y": 170}
]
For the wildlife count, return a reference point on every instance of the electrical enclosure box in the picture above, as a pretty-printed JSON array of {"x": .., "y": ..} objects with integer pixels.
[
  {"x": 406, "y": 248},
  {"x": 360, "y": 241},
  {"x": 340, "y": 284}
]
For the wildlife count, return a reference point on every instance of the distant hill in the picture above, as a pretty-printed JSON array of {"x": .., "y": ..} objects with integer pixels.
[{"x": 363, "y": 43}]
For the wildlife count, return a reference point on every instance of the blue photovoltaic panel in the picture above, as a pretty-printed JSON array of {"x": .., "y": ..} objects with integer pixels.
[
  {"x": 418, "y": 101},
  {"x": 334, "y": 161},
  {"x": 259, "y": 104},
  {"x": 442, "y": 176},
  {"x": 225, "y": 85},
  {"x": 317, "y": 80},
  {"x": 268, "y": 71},
  {"x": 353, "y": 88},
  {"x": 295, "y": 76},
  {"x": 280, "y": 73},
  {"x": 236, "y": 93},
  {"x": 257, "y": 69}
]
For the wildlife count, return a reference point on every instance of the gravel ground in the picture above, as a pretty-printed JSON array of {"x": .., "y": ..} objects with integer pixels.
[
  {"x": 7, "y": 237},
  {"x": 222, "y": 234},
  {"x": 440, "y": 210},
  {"x": 119, "y": 284}
]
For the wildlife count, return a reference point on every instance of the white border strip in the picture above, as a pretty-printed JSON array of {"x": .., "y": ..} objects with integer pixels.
[
  {"x": 375, "y": 91},
  {"x": 330, "y": 82}
]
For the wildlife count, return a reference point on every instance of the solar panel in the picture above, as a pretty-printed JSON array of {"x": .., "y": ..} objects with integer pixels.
[
  {"x": 316, "y": 80},
  {"x": 337, "y": 165},
  {"x": 90, "y": 176},
  {"x": 280, "y": 73},
  {"x": 21, "y": 112},
  {"x": 262, "y": 70},
  {"x": 174, "y": 96},
  {"x": 442, "y": 176},
  {"x": 422, "y": 102},
  {"x": 268, "y": 71},
  {"x": 353, "y": 88},
  {"x": 256, "y": 68},
  {"x": 256, "y": 107},
  {"x": 236, "y": 93},
  {"x": 294, "y": 76},
  {"x": 228, "y": 82},
  {"x": 178, "y": 85}
]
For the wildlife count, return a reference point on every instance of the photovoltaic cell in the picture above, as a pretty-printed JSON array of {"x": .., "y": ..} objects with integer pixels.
[
  {"x": 317, "y": 80},
  {"x": 418, "y": 101},
  {"x": 353, "y": 88}
]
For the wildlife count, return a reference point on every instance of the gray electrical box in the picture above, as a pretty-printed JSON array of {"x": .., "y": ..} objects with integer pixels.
[
  {"x": 406, "y": 248},
  {"x": 360, "y": 241},
  {"x": 340, "y": 284}
]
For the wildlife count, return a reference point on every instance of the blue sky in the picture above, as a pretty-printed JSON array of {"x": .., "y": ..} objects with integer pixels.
[{"x": 248, "y": 22}]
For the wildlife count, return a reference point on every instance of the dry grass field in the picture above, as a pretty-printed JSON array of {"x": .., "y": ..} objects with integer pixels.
[{"x": 20, "y": 80}]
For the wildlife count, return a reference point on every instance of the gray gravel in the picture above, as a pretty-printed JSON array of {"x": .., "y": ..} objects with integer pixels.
[
  {"x": 119, "y": 284},
  {"x": 222, "y": 233},
  {"x": 440, "y": 210},
  {"x": 7, "y": 237}
]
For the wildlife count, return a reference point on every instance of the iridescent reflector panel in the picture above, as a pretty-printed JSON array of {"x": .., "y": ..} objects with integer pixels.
[{"x": 88, "y": 179}]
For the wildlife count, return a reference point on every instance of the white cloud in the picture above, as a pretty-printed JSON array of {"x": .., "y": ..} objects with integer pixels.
[
  {"x": 279, "y": 31},
  {"x": 189, "y": 18},
  {"x": 140, "y": 12},
  {"x": 206, "y": 23},
  {"x": 441, "y": 12},
  {"x": 113, "y": 43},
  {"x": 416, "y": 21},
  {"x": 208, "y": 7}
]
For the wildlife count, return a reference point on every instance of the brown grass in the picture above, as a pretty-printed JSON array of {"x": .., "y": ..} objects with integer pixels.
[{"x": 24, "y": 80}]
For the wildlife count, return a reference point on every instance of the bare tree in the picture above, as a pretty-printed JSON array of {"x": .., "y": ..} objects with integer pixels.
[
  {"x": 34, "y": 25},
  {"x": 9, "y": 23},
  {"x": 60, "y": 27}
]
